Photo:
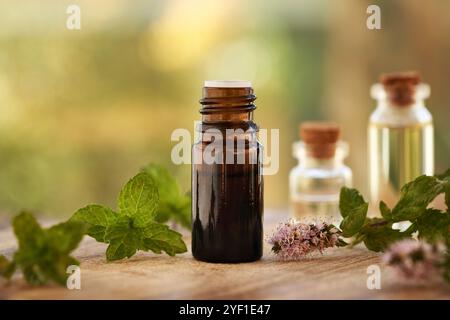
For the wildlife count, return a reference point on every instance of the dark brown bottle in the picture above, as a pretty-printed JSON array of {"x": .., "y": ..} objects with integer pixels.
[{"x": 227, "y": 182}]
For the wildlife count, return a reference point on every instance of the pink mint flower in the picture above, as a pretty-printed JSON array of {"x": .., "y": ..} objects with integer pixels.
[
  {"x": 415, "y": 260},
  {"x": 294, "y": 240}
]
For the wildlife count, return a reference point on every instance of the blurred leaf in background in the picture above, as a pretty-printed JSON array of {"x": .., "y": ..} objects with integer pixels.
[
  {"x": 44, "y": 253},
  {"x": 173, "y": 204}
]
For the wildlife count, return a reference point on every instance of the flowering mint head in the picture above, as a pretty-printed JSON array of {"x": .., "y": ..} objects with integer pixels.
[
  {"x": 294, "y": 240},
  {"x": 415, "y": 260}
]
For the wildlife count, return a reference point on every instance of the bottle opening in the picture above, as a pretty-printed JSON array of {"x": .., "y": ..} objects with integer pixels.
[
  {"x": 230, "y": 96},
  {"x": 228, "y": 84}
]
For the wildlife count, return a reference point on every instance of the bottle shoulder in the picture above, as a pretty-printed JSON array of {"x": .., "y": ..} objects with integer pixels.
[
  {"x": 394, "y": 116},
  {"x": 321, "y": 172}
]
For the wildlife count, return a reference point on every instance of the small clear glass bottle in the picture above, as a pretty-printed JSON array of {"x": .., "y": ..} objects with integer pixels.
[
  {"x": 316, "y": 181},
  {"x": 400, "y": 136}
]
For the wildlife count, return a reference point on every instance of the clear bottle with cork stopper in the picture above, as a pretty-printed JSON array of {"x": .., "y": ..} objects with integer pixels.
[
  {"x": 316, "y": 181},
  {"x": 400, "y": 135}
]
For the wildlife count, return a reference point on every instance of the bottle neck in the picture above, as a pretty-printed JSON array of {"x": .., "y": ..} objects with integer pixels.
[
  {"x": 227, "y": 104},
  {"x": 230, "y": 116},
  {"x": 385, "y": 100},
  {"x": 385, "y": 104}
]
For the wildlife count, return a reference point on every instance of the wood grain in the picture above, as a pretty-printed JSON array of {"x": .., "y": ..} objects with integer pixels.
[{"x": 338, "y": 274}]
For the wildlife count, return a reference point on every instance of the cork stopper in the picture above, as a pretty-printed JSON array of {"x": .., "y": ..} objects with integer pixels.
[
  {"x": 400, "y": 87},
  {"x": 320, "y": 137}
]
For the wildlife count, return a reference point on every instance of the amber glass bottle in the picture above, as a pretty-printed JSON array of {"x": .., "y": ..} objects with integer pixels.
[{"x": 227, "y": 182}]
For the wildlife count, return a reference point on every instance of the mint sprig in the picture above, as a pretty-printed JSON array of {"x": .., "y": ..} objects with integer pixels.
[
  {"x": 133, "y": 226},
  {"x": 43, "y": 254},
  {"x": 377, "y": 234},
  {"x": 149, "y": 198}
]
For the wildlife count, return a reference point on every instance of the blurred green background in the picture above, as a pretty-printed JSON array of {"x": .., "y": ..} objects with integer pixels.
[{"x": 82, "y": 110}]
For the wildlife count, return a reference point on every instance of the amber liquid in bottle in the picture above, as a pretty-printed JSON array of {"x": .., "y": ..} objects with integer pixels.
[{"x": 227, "y": 198}]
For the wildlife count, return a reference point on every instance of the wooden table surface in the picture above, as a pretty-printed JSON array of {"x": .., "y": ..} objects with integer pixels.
[{"x": 338, "y": 274}]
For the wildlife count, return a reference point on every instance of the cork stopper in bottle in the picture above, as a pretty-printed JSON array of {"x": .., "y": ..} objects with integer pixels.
[
  {"x": 320, "y": 138},
  {"x": 400, "y": 87}
]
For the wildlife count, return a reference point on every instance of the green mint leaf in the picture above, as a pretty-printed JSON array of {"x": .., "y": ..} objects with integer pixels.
[
  {"x": 135, "y": 227},
  {"x": 123, "y": 239},
  {"x": 354, "y": 210},
  {"x": 157, "y": 238},
  {"x": 381, "y": 238},
  {"x": 416, "y": 196},
  {"x": 172, "y": 204},
  {"x": 349, "y": 199},
  {"x": 43, "y": 254},
  {"x": 139, "y": 199},
  {"x": 97, "y": 218},
  {"x": 7, "y": 268},
  {"x": 354, "y": 221},
  {"x": 434, "y": 226},
  {"x": 378, "y": 234},
  {"x": 386, "y": 213}
]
